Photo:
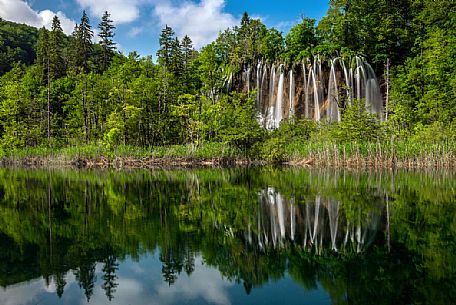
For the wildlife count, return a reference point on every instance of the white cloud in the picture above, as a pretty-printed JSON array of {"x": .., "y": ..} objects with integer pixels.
[
  {"x": 20, "y": 11},
  {"x": 200, "y": 21},
  {"x": 135, "y": 31},
  {"x": 285, "y": 26},
  {"x": 121, "y": 11}
]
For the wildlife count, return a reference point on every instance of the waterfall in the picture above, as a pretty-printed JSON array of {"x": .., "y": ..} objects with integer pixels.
[
  {"x": 291, "y": 112},
  {"x": 348, "y": 80},
  {"x": 333, "y": 112},
  {"x": 360, "y": 76},
  {"x": 374, "y": 98},
  {"x": 278, "y": 111},
  {"x": 229, "y": 82},
  {"x": 313, "y": 84},
  {"x": 317, "y": 92},
  {"x": 258, "y": 86},
  {"x": 304, "y": 82},
  {"x": 262, "y": 104},
  {"x": 269, "y": 121}
]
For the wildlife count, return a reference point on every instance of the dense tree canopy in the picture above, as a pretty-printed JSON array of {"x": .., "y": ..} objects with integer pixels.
[{"x": 69, "y": 89}]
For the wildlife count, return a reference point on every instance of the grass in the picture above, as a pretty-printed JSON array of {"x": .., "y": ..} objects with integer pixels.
[
  {"x": 386, "y": 154},
  {"x": 99, "y": 153},
  {"x": 403, "y": 154}
]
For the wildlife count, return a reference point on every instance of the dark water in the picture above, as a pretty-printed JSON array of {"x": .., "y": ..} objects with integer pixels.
[{"x": 234, "y": 236}]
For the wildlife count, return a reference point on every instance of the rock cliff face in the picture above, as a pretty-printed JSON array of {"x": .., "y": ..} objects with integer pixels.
[{"x": 313, "y": 89}]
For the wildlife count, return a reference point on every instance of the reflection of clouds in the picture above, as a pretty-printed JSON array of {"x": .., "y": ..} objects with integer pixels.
[
  {"x": 33, "y": 292},
  {"x": 24, "y": 293},
  {"x": 204, "y": 283},
  {"x": 137, "y": 269},
  {"x": 129, "y": 291},
  {"x": 52, "y": 288},
  {"x": 140, "y": 283}
]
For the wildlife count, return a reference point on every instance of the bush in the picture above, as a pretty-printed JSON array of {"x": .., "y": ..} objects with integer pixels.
[{"x": 357, "y": 124}]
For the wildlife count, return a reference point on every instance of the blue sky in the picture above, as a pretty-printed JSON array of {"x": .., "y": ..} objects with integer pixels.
[{"x": 139, "y": 22}]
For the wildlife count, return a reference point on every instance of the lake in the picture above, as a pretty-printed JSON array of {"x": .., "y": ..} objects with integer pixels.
[{"x": 227, "y": 236}]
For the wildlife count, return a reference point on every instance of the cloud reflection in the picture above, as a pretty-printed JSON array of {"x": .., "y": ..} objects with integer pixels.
[{"x": 139, "y": 283}]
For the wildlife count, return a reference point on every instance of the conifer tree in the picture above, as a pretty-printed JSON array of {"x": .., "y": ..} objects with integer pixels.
[
  {"x": 56, "y": 46},
  {"x": 44, "y": 60},
  {"x": 107, "y": 44},
  {"x": 83, "y": 47},
  {"x": 164, "y": 59},
  {"x": 187, "y": 54},
  {"x": 177, "y": 60},
  {"x": 42, "y": 52},
  {"x": 166, "y": 44}
]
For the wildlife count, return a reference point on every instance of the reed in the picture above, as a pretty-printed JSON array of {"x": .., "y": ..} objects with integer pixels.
[{"x": 400, "y": 154}]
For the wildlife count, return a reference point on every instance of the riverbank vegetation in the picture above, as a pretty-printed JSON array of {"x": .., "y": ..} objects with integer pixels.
[{"x": 67, "y": 98}]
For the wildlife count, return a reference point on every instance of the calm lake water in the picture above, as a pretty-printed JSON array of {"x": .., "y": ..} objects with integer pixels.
[{"x": 232, "y": 236}]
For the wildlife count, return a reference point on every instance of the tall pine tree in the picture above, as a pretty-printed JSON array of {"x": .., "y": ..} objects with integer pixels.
[
  {"x": 106, "y": 35},
  {"x": 187, "y": 54},
  {"x": 82, "y": 46},
  {"x": 166, "y": 44},
  {"x": 56, "y": 46},
  {"x": 164, "y": 55}
]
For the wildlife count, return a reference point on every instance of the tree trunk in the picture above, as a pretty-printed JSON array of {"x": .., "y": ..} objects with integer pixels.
[
  {"x": 48, "y": 104},
  {"x": 85, "y": 112},
  {"x": 387, "y": 89}
]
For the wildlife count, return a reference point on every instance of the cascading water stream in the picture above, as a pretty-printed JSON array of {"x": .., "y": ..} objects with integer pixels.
[
  {"x": 318, "y": 91},
  {"x": 278, "y": 111},
  {"x": 269, "y": 124},
  {"x": 258, "y": 87},
  {"x": 333, "y": 112},
  {"x": 291, "y": 112},
  {"x": 304, "y": 83}
]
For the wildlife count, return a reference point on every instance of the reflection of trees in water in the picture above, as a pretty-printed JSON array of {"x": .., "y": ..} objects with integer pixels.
[
  {"x": 250, "y": 234},
  {"x": 110, "y": 267},
  {"x": 86, "y": 277},
  {"x": 315, "y": 225}
]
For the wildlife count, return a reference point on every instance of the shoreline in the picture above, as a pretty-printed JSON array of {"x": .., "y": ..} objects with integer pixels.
[{"x": 103, "y": 162}]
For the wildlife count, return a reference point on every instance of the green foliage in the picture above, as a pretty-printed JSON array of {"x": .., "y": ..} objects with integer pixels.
[
  {"x": 357, "y": 124},
  {"x": 106, "y": 35},
  {"x": 435, "y": 133},
  {"x": 237, "y": 124},
  {"x": 276, "y": 147},
  {"x": 82, "y": 46},
  {"x": 407, "y": 240},
  {"x": 17, "y": 44},
  {"x": 301, "y": 39},
  {"x": 272, "y": 45}
]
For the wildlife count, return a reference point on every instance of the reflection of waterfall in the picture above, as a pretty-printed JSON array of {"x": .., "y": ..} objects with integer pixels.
[
  {"x": 316, "y": 226},
  {"x": 314, "y": 89}
]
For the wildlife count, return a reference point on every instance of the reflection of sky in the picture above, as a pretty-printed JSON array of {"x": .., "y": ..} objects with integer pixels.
[{"x": 142, "y": 283}]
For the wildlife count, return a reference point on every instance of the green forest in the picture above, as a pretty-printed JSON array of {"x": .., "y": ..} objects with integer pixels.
[{"x": 59, "y": 92}]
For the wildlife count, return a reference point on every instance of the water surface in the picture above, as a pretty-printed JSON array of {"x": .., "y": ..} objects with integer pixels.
[{"x": 232, "y": 236}]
